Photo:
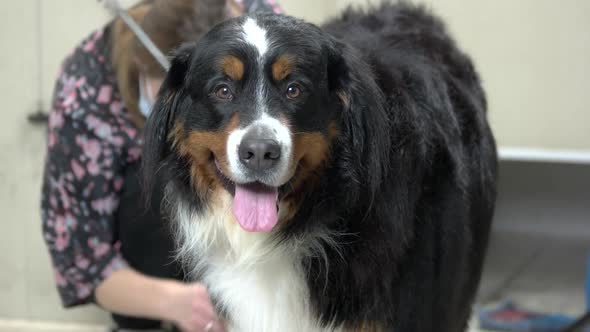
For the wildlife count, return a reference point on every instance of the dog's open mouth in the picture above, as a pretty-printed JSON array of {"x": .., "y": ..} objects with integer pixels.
[{"x": 255, "y": 205}]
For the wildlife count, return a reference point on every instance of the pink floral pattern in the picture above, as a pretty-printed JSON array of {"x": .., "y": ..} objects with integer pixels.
[{"x": 90, "y": 141}]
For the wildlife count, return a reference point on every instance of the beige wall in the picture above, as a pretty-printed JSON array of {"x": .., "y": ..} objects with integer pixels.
[{"x": 536, "y": 75}]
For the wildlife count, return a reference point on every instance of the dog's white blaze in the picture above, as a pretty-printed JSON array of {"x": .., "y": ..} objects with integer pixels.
[
  {"x": 255, "y": 35},
  {"x": 233, "y": 142},
  {"x": 280, "y": 133},
  {"x": 261, "y": 285}
]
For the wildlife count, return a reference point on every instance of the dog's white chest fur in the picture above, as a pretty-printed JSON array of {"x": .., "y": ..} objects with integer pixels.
[
  {"x": 261, "y": 286},
  {"x": 268, "y": 296}
]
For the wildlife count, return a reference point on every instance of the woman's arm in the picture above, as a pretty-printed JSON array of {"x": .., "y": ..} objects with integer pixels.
[
  {"x": 128, "y": 292},
  {"x": 82, "y": 180}
]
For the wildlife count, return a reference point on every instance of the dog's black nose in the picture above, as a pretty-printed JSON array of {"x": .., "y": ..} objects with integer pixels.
[{"x": 259, "y": 154}]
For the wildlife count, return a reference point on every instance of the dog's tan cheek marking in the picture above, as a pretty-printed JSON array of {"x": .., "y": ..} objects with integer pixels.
[
  {"x": 233, "y": 67},
  {"x": 199, "y": 148},
  {"x": 311, "y": 150},
  {"x": 282, "y": 67},
  {"x": 310, "y": 153}
]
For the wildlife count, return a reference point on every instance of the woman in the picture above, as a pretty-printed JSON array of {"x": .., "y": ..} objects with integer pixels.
[{"x": 105, "y": 247}]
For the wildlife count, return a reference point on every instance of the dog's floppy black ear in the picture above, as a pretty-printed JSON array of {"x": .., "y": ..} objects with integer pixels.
[
  {"x": 162, "y": 117},
  {"x": 364, "y": 117},
  {"x": 181, "y": 59}
]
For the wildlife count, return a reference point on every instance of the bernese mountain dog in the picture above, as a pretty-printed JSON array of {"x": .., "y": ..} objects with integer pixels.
[{"x": 340, "y": 178}]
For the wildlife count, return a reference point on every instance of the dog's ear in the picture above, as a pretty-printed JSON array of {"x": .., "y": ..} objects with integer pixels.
[
  {"x": 364, "y": 120},
  {"x": 161, "y": 119}
]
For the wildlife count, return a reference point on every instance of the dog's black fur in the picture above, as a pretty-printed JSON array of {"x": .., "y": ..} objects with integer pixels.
[{"x": 410, "y": 182}]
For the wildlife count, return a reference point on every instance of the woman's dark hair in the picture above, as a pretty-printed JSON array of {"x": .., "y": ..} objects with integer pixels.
[{"x": 169, "y": 23}]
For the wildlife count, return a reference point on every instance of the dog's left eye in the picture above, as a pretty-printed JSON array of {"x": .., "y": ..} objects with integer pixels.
[
  {"x": 223, "y": 91},
  {"x": 293, "y": 91}
]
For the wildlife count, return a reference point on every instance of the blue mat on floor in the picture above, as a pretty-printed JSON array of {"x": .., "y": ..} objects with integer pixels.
[{"x": 509, "y": 317}]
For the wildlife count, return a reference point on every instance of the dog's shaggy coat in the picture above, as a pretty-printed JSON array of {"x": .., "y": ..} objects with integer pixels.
[{"x": 385, "y": 184}]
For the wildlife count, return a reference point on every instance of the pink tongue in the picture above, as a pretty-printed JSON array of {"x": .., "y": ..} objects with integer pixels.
[{"x": 255, "y": 207}]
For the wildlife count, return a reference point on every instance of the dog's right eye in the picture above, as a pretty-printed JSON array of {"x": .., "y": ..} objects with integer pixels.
[{"x": 223, "y": 91}]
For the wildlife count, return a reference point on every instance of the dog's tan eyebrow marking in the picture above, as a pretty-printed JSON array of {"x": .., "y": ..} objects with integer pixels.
[
  {"x": 282, "y": 67},
  {"x": 233, "y": 67}
]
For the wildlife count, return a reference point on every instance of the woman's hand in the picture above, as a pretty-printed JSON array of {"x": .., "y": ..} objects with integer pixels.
[
  {"x": 189, "y": 307},
  {"x": 130, "y": 293}
]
